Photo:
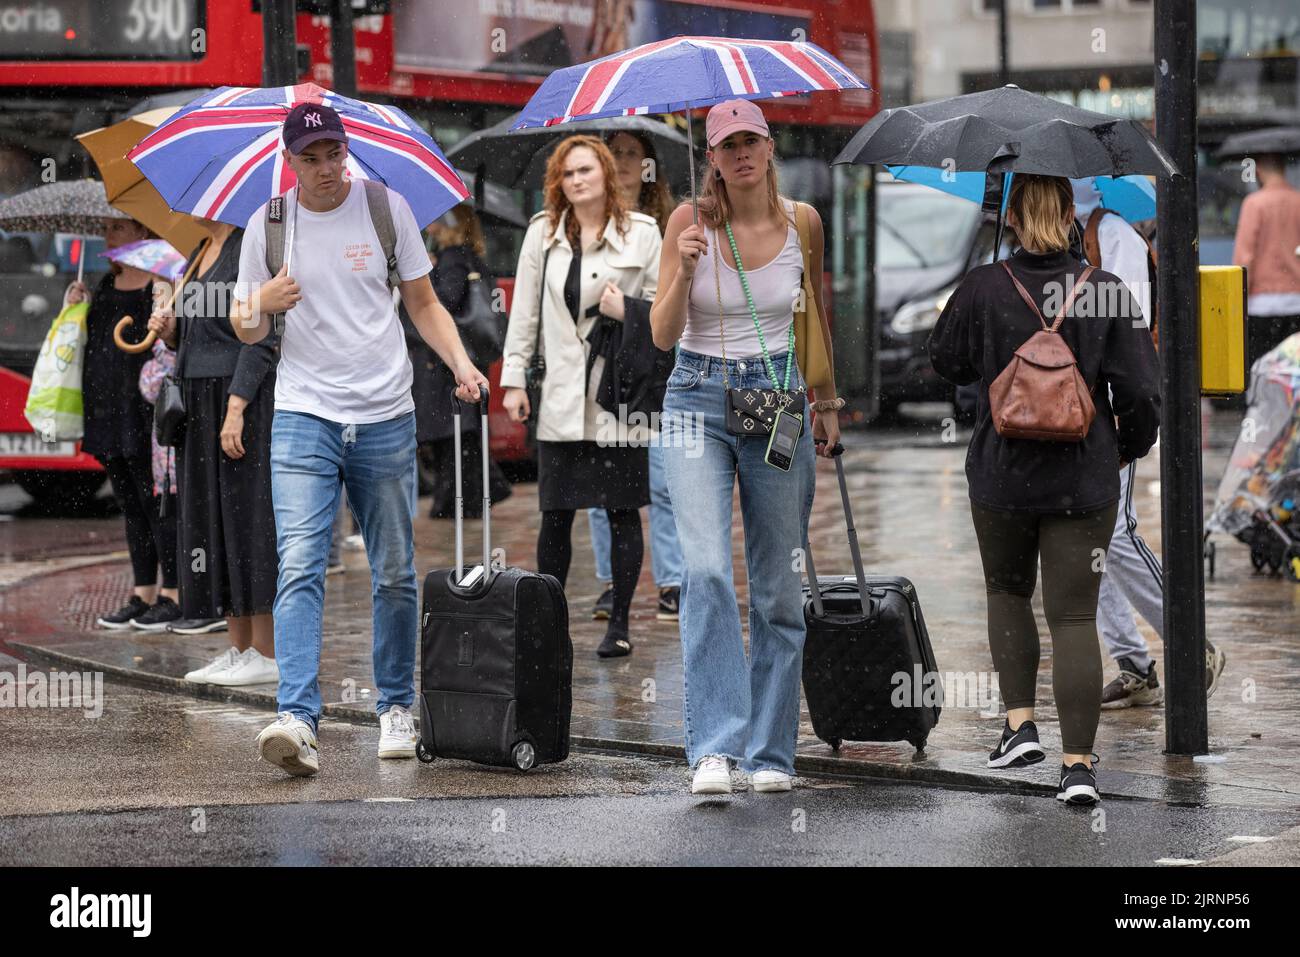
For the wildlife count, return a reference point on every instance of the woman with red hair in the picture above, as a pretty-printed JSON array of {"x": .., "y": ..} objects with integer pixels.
[{"x": 582, "y": 253}]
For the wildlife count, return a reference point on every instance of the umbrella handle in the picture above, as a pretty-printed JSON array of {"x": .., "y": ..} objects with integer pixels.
[
  {"x": 690, "y": 160},
  {"x": 128, "y": 347},
  {"x": 148, "y": 340}
]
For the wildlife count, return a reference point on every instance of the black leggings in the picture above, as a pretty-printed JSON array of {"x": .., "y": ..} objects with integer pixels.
[
  {"x": 1072, "y": 548},
  {"x": 150, "y": 537},
  {"x": 627, "y": 549}
]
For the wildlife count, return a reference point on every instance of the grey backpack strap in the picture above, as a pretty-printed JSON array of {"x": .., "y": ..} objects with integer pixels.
[
  {"x": 275, "y": 217},
  {"x": 381, "y": 216},
  {"x": 277, "y": 211}
]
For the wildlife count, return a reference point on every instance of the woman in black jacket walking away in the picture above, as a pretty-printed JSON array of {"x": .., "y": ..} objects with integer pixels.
[
  {"x": 1036, "y": 498},
  {"x": 459, "y": 255}
]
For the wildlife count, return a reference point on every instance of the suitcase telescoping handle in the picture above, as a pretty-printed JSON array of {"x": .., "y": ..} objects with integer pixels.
[
  {"x": 487, "y": 490},
  {"x": 837, "y": 453}
]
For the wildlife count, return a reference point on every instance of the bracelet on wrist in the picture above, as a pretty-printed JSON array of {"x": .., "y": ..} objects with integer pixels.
[{"x": 828, "y": 405}]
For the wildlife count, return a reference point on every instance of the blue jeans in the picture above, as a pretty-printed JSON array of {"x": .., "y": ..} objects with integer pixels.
[
  {"x": 311, "y": 461},
  {"x": 744, "y": 709},
  {"x": 665, "y": 552}
]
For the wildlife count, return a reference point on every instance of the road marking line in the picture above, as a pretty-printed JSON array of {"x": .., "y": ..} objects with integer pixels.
[{"x": 1177, "y": 861}]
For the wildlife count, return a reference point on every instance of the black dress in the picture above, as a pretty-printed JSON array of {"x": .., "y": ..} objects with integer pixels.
[{"x": 228, "y": 558}]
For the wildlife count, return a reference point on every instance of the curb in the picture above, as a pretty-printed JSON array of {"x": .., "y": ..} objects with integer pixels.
[
  {"x": 811, "y": 766},
  {"x": 56, "y": 566}
]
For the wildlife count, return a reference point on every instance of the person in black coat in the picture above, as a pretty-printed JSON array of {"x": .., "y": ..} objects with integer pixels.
[
  {"x": 458, "y": 238},
  {"x": 224, "y": 468},
  {"x": 118, "y": 425},
  {"x": 1053, "y": 500}
]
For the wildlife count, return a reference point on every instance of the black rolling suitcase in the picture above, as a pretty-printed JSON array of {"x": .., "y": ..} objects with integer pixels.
[
  {"x": 869, "y": 672},
  {"x": 496, "y": 659}
]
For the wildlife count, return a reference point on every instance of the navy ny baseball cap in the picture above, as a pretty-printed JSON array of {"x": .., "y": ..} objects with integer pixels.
[{"x": 308, "y": 123}]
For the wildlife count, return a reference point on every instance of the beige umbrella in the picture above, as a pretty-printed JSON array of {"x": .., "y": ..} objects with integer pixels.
[{"x": 126, "y": 186}]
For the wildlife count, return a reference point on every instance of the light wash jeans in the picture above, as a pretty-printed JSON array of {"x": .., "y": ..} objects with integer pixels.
[
  {"x": 744, "y": 708},
  {"x": 665, "y": 552},
  {"x": 312, "y": 459}
]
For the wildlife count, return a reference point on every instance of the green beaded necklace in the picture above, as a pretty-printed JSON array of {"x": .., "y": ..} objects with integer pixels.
[{"x": 753, "y": 314}]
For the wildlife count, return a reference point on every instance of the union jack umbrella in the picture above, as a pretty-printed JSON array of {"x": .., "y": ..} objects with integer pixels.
[
  {"x": 681, "y": 73},
  {"x": 220, "y": 156}
]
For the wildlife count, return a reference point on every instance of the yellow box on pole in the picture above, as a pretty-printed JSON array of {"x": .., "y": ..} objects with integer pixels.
[{"x": 1223, "y": 330}]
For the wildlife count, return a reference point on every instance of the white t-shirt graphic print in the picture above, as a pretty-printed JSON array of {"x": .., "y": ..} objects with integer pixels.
[{"x": 343, "y": 355}]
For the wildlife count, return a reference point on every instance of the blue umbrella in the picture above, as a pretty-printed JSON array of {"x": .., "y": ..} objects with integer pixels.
[{"x": 1133, "y": 197}]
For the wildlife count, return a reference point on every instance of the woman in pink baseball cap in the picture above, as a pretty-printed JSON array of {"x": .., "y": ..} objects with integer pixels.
[{"x": 729, "y": 288}]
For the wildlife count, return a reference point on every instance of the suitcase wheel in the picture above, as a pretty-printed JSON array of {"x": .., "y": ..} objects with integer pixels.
[
  {"x": 424, "y": 754},
  {"x": 834, "y": 743},
  {"x": 523, "y": 755},
  {"x": 918, "y": 743}
]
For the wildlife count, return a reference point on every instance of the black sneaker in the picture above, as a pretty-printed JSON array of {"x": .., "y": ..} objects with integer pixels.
[
  {"x": 669, "y": 599},
  {"x": 1018, "y": 748},
  {"x": 161, "y": 614},
  {"x": 336, "y": 568},
  {"x": 123, "y": 617},
  {"x": 604, "y": 605},
  {"x": 197, "y": 626},
  {"x": 614, "y": 646},
  {"x": 1079, "y": 785},
  {"x": 1132, "y": 688}
]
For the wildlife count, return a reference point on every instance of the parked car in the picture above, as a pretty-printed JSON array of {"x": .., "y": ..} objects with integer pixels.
[{"x": 926, "y": 241}]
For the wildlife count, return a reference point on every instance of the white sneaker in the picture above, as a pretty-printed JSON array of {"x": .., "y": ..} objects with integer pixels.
[
  {"x": 250, "y": 668},
  {"x": 354, "y": 543},
  {"x": 770, "y": 779},
  {"x": 290, "y": 743},
  {"x": 712, "y": 776},
  {"x": 397, "y": 733},
  {"x": 223, "y": 662}
]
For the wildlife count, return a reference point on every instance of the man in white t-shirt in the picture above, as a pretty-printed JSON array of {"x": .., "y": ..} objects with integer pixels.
[
  {"x": 343, "y": 417},
  {"x": 1133, "y": 578}
]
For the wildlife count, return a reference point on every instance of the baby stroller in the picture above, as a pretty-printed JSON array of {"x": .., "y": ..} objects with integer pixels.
[{"x": 1259, "y": 497}]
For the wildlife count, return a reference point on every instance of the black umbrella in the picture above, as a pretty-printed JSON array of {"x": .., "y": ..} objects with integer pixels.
[
  {"x": 518, "y": 160},
  {"x": 1007, "y": 130},
  {"x": 1282, "y": 140},
  {"x": 495, "y": 202}
]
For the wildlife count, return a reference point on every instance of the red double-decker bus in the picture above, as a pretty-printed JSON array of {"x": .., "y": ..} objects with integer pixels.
[{"x": 69, "y": 66}]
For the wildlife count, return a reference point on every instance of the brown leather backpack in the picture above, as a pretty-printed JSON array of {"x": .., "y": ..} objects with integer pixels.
[{"x": 1041, "y": 393}]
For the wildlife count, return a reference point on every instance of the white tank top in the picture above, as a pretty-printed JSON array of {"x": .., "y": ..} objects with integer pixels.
[{"x": 774, "y": 286}]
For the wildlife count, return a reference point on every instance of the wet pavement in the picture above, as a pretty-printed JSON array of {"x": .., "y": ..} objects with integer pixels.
[
  {"x": 162, "y": 779},
  {"x": 909, "y": 496}
]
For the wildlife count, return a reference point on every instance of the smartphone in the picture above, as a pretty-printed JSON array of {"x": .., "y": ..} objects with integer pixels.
[{"x": 783, "y": 440}]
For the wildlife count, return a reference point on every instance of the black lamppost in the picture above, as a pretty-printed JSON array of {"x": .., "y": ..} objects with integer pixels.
[
  {"x": 343, "y": 50},
  {"x": 279, "y": 43},
  {"x": 1182, "y": 524}
]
